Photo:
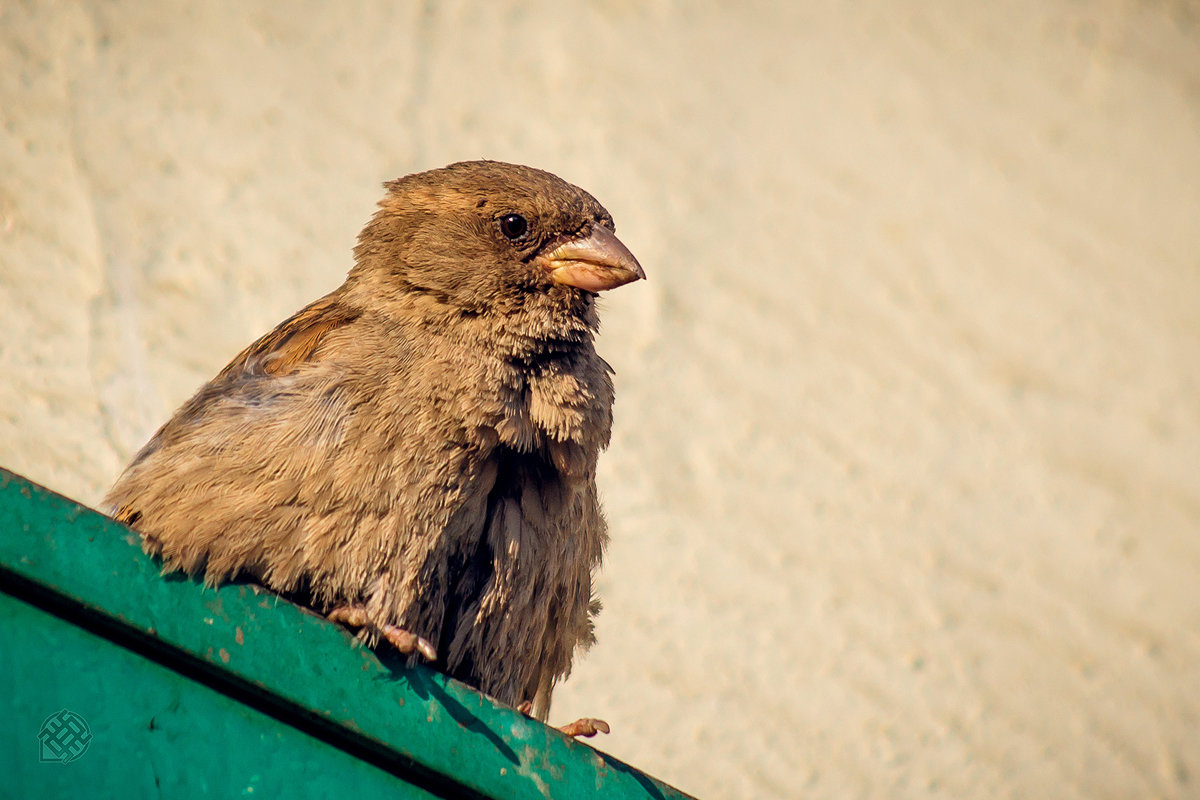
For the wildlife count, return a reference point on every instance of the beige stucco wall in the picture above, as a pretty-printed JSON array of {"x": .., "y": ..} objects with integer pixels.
[{"x": 905, "y": 486}]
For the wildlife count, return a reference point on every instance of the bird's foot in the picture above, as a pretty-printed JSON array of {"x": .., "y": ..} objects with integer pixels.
[
  {"x": 404, "y": 641},
  {"x": 587, "y": 726}
]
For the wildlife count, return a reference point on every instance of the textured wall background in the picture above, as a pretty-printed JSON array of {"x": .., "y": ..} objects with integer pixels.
[{"x": 905, "y": 488}]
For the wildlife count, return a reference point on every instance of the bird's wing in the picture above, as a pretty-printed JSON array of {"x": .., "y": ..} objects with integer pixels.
[
  {"x": 224, "y": 482},
  {"x": 293, "y": 341}
]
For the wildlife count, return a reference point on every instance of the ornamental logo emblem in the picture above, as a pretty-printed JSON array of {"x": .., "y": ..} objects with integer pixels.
[{"x": 64, "y": 737}]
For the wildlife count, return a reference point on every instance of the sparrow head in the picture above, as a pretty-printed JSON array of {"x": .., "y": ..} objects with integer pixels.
[{"x": 485, "y": 235}]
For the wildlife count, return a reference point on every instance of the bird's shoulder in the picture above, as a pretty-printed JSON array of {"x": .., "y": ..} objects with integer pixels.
[
  {"x": 248, "y": 381},
  {"x": 295, "y": 340}
]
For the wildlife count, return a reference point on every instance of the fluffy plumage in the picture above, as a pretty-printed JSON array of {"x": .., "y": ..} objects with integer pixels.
[{"x": 422, "y": 441}]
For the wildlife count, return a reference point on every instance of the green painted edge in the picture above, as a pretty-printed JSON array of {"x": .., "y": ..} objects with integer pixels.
[
  {"x": 155, "y": 733},
  {"x": 309, "y": 673}
]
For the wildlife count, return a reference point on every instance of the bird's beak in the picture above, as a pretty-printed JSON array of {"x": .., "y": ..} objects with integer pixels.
[{"x": 594, "y": 263}]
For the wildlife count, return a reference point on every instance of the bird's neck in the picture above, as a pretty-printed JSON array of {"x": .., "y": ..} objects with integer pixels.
[
  {"x": 544, "y": 324},
  {"x": 520, "y": 325}
]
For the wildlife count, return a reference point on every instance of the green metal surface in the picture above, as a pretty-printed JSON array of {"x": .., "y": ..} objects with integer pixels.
[
  {"x": 155, "y": 733},
  {"x": 234, "y": 692}
]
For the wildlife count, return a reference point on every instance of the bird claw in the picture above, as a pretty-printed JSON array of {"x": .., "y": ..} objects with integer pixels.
[
  {"x": 587, "y": 726},
  {"x": 405, "y": 642},
  {"x": 408, "y": 643}
]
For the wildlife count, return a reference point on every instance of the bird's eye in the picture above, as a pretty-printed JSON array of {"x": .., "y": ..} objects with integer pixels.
[{"x": 513, "y": 226}]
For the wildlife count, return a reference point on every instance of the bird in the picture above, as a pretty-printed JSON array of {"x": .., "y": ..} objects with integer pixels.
[{"x": 414, "y": 454}]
